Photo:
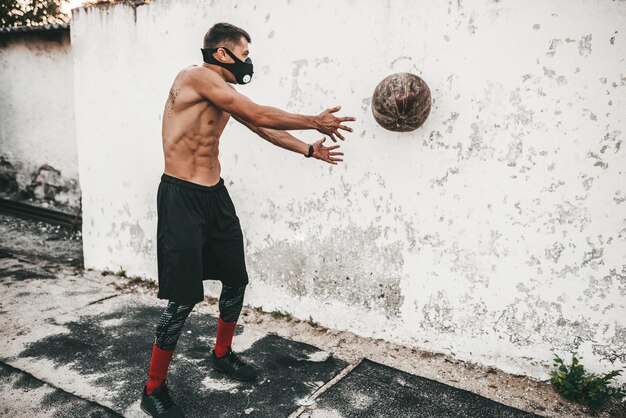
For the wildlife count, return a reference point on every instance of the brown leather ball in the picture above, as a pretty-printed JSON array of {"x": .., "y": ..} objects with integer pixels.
[{"x": 401, "y": 102}]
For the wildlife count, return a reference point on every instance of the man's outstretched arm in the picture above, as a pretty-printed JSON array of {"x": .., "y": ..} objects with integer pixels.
[
  {"x": 218, "y": 92},
  {"x": 287, "y": 141}
]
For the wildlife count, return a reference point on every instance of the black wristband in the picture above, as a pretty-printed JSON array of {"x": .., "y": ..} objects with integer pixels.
[{"x": 310, "y": 151}]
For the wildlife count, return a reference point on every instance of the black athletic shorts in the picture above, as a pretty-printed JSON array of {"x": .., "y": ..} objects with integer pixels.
[{"x": 198, "y": 238}]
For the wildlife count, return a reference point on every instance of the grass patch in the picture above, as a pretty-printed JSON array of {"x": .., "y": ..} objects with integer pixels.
[
  {"x": 135, "y": 279},
  {"x": 282, "y": 315}
]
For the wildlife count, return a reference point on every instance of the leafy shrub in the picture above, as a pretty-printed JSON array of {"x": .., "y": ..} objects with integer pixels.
[{"x": 574, "y": 383}]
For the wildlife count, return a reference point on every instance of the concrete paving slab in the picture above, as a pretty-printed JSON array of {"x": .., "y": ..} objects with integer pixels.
[
  {"x": 23, "y": 395},
  {"x": 374, "y": 390},
  {"x": 33, "y": 299}
]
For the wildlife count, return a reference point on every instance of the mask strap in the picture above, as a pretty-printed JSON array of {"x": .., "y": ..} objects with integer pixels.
[{"x": 233, "y": 56}]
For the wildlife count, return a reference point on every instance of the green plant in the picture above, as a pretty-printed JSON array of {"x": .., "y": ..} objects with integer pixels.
[
  {"x": 121, "y": 272},
  {"x": 135, "y": 279},
  {"x": 280, "y": 315},
  {"x": 592, "y": 390},
  {"x": 31, "y": 12}
]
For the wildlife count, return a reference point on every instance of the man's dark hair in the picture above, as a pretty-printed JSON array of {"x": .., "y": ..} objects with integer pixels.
[{"x": 224, "y": 35}]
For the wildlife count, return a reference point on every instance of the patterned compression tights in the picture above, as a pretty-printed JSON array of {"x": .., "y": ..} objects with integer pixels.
[{"x": 172, "y": 319}]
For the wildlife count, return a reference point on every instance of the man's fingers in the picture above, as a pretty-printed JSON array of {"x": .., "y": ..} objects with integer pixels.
[
  {"x": 346, "y": 118},
  {"x": 335, "y": 153},
  {"x": 332, "y": 137},
  {"x": 334, "y": 146},
  {"x": 332, "y": 160},
  {"x": 319, "y": 142},
  {"x": 334, "y": 109},
  {"x": 339, "y": 135},
  {"x": 345, "y": 128}
]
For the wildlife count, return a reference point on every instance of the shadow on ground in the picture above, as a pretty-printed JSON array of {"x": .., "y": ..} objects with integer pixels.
[{"x": 112, "y": 350}]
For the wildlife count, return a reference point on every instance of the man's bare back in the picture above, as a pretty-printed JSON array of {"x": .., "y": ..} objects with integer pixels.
[{"x": 199, "y": 105}]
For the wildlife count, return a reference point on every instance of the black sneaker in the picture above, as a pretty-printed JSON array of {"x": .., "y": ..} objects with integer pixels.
[
  {"x": 160, "y": 404},
  {"x": 233, "y": 366}
]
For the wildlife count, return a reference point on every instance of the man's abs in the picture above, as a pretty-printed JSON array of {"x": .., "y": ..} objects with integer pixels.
[{"x": 192, "y": 128}]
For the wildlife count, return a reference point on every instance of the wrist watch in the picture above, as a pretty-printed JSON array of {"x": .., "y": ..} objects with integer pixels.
[{"x": 310, "y": 151}]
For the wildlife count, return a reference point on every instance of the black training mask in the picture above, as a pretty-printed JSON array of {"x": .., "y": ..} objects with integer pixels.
[{"x": 242, "y": 70}]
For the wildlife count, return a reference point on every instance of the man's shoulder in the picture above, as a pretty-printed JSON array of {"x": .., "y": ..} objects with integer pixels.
[
  {"x": 204, "y": 82},
  {"x": 200, "y": 73}
]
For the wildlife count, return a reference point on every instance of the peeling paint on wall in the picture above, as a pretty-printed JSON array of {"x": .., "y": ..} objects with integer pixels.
[{"x": 333, "y": 268}]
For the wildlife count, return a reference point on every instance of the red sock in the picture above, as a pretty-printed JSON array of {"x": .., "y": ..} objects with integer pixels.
[
  {"x": 158, "y": 367},
  {"x": 225, "y": 332}
]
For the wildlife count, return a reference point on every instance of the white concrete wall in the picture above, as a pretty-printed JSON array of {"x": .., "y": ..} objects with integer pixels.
[
  {"x": 495, "y": 232},
  {"x": 37, "y": 127}
]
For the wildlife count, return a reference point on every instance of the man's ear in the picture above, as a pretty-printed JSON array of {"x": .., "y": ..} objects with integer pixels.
[{"x": 219, "y": 54}]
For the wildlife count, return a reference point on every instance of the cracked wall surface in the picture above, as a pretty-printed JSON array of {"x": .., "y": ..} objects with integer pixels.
[
  {"x": 495, "y": 232},
  {"x": 38, "y": 156}
]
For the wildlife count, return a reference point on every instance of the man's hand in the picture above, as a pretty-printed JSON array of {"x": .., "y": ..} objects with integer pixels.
[
  {"x": 323, "y": 153},
  {"x": 328, "y": 124}
]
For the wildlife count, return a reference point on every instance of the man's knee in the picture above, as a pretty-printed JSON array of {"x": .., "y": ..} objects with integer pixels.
[
  {"x": 170, "y": 325},
  {"x": 231, "y": 302}
]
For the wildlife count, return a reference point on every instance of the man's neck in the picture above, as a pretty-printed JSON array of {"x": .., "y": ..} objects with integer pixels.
[{"x": 221, "y": 71}]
